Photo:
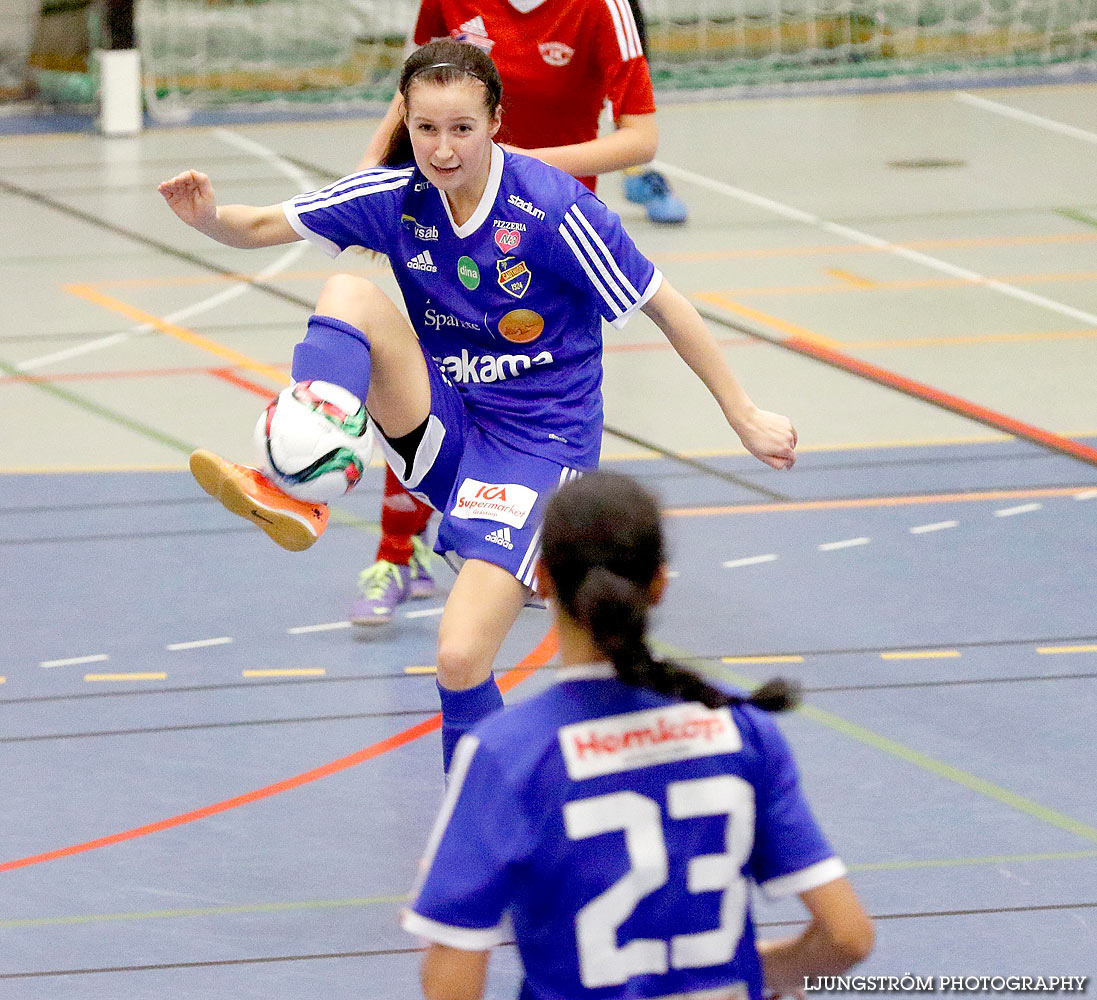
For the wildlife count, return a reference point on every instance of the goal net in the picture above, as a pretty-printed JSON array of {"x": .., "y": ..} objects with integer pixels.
[{"x": 201, "y": 52}]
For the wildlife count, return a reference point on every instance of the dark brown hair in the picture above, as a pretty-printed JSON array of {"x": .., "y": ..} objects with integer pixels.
[
  {"x": 442, "y": 62},
  {"x": 602, "y": 547}
]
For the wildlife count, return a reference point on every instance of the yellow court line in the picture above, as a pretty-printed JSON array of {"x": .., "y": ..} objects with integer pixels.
[
  {"x": 762, "y": 659},
  {"x": 925, "y": 762},
  {"x": 420, "y": 670},
  {"x": 850, "y": 278},
  {"x": 969, "y": 339},
  {"x": 999, "y": 859},
  {"x": 276, "y": 375},
  {"x": 844, "y": 248},
  {"x": 185, "y": 281},
  {"x": 3, "y": 680},
  {"x": 914, "y": 284},
  {"x": 125, "y": 677},
  {"x": 859, "y": 502},
  {"x": 1048, "y": 650},
  {"x": 300, "y": 672},
  {"x": 718, "y": 299},
  {"x": 923, "y": 654}
]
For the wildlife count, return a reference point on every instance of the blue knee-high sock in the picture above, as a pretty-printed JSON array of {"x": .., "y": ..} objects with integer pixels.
[
  {"x": 461, "y": 710},
  {"x": 333, "y": 351}
]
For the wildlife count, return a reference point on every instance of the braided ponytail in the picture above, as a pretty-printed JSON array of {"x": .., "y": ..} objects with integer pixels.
[{"x": 602, "y": 546}]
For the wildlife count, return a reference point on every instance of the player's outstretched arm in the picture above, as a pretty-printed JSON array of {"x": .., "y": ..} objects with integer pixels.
[
  {"x": 632, "y": 143},
  {"x": 452, "y": 974},
  {"x": 839, "y": 936},
  {"x": 770, "y": 437},
  {"x": 190, "y": 196}
]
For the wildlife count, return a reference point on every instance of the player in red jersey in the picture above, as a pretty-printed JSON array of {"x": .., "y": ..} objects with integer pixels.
[{"x": 560, "y": 62}]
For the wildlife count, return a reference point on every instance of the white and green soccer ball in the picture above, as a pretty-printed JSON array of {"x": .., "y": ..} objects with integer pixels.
[{"x": 314, "y": 440}]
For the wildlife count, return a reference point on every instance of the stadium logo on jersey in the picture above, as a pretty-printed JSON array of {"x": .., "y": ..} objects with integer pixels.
[
  {"x": 489, "y": 367},
  {"x": 521, "y": 326},
  {"x": 507, "y": 239},
  {"x": 507, "y": 224},
  {"x": 421, "y": 232},
  {"x": 642, "y": 739},
  {"x": 469, "y": 273},
  {"x": 556, "y": 53},
  {"x": 526, "y": 206},
  {"x": 423, "y": 262},
  {"x": 500, "y": 537},
  {"x": 510, "y": 503},
  {"x": 474, "y": 32},
  {"x": 514, "y": 276}
]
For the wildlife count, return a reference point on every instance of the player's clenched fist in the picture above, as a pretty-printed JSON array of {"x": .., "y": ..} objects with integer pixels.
[
  {"x": 771, "y": 438},
  {"x": 190, "y": 195}
]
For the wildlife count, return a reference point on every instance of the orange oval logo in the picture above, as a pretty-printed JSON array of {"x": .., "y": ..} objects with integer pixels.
[{"x": 520, "y": 326}]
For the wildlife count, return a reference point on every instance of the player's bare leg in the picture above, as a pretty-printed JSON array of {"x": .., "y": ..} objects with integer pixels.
[
  {"x": 398, "y": 388},
  {"x": 482, "y": 607}
]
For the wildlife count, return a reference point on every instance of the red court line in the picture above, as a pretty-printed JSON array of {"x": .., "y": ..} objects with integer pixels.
[
  {"x": 538, "y": 657},
  {"x": 946, "y": 400}
]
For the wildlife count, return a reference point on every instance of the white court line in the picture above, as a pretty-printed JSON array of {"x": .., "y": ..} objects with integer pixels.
[
  {"x": 921, "y": 529},
  {"x": 1027, "y": 116},
  {"x": 749, "y": 561},
  {"x": 866, "y": 239},
  {"x": 326, "y": 627},
  {"x": 425, "y": 613},
  {"x": 74, "y": 660},
  {"x": 303, "y": 183},
  {"x": 1025, "y": 508},
  {"x": 221, "y": 640},
  {"x": 846, "y": 543},
  {"x": 1086, "y": 495}
]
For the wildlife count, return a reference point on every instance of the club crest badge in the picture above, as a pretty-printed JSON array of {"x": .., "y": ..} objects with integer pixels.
[{"x": 514, "y": 276}]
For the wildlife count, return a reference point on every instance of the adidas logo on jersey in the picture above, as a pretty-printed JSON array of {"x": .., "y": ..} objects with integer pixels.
[
  {"x": 474, "y": 32},
  {"x": 423, "y": 262},
  {"x": 500, "y": 537}
]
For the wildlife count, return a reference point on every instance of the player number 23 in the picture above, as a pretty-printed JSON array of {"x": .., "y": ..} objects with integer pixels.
[{"x": 601, "y": 961}]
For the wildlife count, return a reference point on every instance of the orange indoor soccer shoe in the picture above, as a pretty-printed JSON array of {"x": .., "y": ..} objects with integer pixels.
[{"x": 294, "y": 524}]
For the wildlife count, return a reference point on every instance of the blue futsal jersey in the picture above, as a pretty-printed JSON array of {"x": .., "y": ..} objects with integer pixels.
[
  {"x": 510, "y": 303},
  {"x": 615, "y": 832}
]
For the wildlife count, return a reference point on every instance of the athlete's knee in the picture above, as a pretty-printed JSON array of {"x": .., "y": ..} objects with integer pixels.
[
  {"x": 350, "y": 298},
  {"x": 460, "y": 665}
]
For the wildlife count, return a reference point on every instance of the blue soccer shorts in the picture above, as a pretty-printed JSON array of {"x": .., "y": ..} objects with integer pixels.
[{"x": 492, "y": 496}]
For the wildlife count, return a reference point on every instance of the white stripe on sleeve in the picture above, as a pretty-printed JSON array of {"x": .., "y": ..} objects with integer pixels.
[
  {"x": 610, "y": 259},
  {"x": 615, "y": 307},
  {"x": 628, "y": 38},
  {"x": 811, "y": 877},
  {"x": 462, "y": 938}
]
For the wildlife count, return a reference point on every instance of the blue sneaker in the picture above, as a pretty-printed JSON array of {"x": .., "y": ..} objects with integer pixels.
[
  {"x": 422, "y": 582},
  {"x": 651, "y": 190},
  {"x": 382, "y": 588}
]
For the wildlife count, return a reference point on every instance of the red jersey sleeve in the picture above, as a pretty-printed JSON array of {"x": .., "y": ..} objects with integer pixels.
[
  {"x": 627, "y": 79},
  {"x": 430, "y": 24},
  {"x": 628, "y": 87}
]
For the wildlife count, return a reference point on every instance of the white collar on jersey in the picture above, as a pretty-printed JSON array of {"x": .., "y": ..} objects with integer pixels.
[
  {"x": 525, "y": 6},
  {"x": 585, "y": 672},
  {"x": 487, "y": 200}
]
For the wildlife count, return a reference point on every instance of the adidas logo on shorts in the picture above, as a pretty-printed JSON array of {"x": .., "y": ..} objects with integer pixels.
[
  {"x": 500, "y": 537},
  {"x": 423, "y": 262}
]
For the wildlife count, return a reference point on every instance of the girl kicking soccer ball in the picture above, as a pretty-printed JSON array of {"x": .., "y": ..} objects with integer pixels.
[
  {"x": 490, "y": 398},
  {"x": 613, "y": 824}
]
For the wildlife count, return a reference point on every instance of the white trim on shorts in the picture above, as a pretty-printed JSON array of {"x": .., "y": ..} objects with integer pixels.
[
  {"x": 430, "y": 446},
  {"x": 527, "y": 569}
]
